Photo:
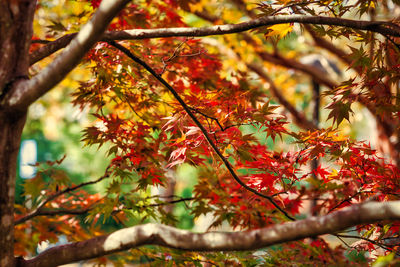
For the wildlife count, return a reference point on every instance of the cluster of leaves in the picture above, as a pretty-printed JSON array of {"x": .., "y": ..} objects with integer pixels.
[{"x": 148, "y": 132}]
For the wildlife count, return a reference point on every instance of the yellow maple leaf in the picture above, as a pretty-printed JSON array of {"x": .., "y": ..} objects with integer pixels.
[{"x": 279, "y": 30}]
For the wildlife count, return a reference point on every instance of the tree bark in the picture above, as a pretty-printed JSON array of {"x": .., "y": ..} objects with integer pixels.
[
  {"x": 162, "y": 235},
  {"x": 18, "y": 91},
  {"x": 382, "y": 27},
  {"x": 15, "y": 39},
  {"x": 11, "y": 126},
  {"x": 15, "y": 35},
  {"x": 29, "y": 91}
]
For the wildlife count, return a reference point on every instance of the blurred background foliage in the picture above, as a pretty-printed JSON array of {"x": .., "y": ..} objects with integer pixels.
[{"x": 57, "y": 126}]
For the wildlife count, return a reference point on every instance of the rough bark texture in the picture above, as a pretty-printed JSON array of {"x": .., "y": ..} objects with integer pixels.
[
  {"x": 18, "y": 91},
  {"x": 167, "y": 236},
  {"x": 29, "y": 91},
  {"x": 381, "y": 27},
  {"x": 11, "y": 126},
  {"x": 15, "y": 35}
]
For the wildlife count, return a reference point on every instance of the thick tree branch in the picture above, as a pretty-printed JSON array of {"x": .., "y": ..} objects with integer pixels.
[
  {"x": 26, "y": 92},
  {"x": 50, "y": 48},
  {"x": 201, "y": 127},
  {"x": 155, "y": 234},
  {"x": 313, "y": 72},
  {"x": 382, "y": 27}
]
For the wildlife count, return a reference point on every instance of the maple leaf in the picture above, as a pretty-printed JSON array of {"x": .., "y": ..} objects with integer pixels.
[
  {"x": 339, "y": 111},
  {"x": 279, "y": 30},
  {"x": 321, "y": 172},
  {"x": 177, "y": 157}
]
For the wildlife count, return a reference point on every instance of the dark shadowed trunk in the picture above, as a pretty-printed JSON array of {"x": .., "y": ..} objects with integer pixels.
[
  {"x": 11, "y": 126},
  {"x": 15, "y": 35}
]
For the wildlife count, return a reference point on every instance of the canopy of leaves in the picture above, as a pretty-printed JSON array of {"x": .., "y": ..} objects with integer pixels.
[{"x": 238, "y": 108}]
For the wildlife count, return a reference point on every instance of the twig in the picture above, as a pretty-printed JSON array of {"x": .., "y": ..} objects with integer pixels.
[
  {"x": 209, "y": 117},
  {"x": 169, "y": 202},
  {"x": 385, "y": 247},
  {"x": 344, "y": 242},
  {"x": 345, "y": 200},
  {"x": 175, "y": 54}
]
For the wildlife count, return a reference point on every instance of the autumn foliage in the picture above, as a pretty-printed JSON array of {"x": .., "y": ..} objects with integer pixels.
[{"x": 262, "y": 158}]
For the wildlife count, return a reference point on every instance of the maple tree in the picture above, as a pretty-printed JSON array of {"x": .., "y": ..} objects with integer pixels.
[{"x": 224, "y": 86}]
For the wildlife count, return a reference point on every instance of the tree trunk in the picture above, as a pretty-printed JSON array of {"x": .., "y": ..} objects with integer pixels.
[
  {"x": 15, "y": 38},
  {"x": 11, "y": 126}
]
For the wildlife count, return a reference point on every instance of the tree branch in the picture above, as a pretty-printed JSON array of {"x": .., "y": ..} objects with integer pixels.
[
  {"x": 155, "y": 234},
  {"x": 58, "y": 212},
  {"x": 201, "y": 127},
  {"x": 39, "y": 209},
  {"x": 318, "y": 75},
  {"x": 50, "y": 48},
  {"x": 26, "y": 92},
  {"x": 383, "y": 27},
  {"x": 375, "y": 242},
  {"x": 48, "y": 212}
]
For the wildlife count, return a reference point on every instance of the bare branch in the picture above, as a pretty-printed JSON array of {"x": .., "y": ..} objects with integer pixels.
[
  {"x": 55, "y": 212},
  {"x": 58, "y": 212},
  {"x": 26, "y": 92},
  {"x": 375, "y": 242},
  {"x": 39, "y": 210},
  {"x": 155, "y": 234},
  {"x": 183, "y": 199},
  {"x": 382, "y": 27}
]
